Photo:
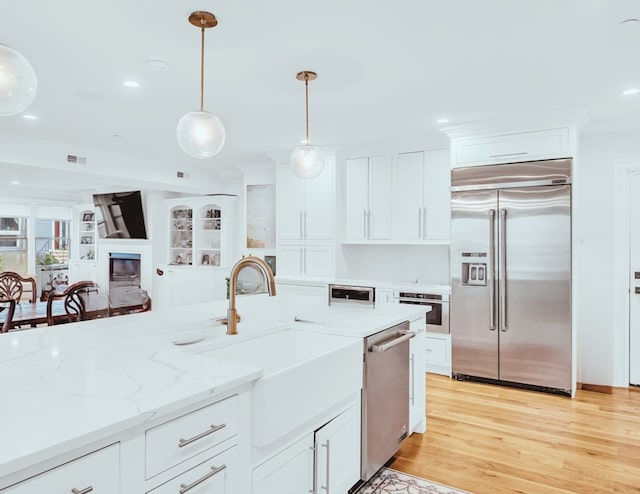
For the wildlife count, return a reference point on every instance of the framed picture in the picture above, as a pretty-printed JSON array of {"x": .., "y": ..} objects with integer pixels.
[
  {"x": 86, "y": 240},
  {"x": 86, "y": 216},
  {"x": 260, "y": 216}
]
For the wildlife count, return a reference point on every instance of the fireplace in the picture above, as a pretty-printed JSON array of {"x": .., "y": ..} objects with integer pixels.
[
  {"x": 124, "y": 270},
  {"x": 125, "y": 292}
]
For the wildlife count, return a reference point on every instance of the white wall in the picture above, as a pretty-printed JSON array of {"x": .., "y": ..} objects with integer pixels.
[
  {"x": 398, "y": 263},
  {"x": 593, "y": 222}
]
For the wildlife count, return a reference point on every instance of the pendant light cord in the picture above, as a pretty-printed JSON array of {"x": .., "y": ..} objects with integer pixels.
[
  {"x": 202, "y": 22},
  {"x": 306, "y": 108}
]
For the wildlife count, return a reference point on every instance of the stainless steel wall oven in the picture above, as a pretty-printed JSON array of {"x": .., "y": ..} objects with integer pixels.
[{"x": 437, "y": 320}]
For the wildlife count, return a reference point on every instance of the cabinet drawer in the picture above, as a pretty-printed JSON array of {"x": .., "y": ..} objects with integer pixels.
[
  {"x": 513, "y": 147},
  {"x": 218, "y": 475},
  {"x": 173, "y": 442},
  {"x": 437, "y": 350},
  {"x": 99, "y": 470}
]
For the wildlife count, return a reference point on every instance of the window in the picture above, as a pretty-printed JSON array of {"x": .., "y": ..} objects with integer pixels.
[
  {"x": 13, "y": 244},
  {"x": 51, "y": 241}
]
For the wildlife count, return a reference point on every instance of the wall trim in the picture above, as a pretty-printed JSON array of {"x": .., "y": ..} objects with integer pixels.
[
  {"x": 597, "y": 388},
  {"x": 623, "y": 169}
]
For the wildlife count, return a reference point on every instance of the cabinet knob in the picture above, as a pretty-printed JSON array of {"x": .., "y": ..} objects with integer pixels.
[{"x": 159, "y": 272}]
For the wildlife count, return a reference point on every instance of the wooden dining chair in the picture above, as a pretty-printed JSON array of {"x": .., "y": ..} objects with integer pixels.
[
  {"x": 8, "y": 313},
  {"x": 12, "y": 286},
  {"x": 74, "y": 298}
]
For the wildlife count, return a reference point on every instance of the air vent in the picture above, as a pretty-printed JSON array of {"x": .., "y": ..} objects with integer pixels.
[
  {"x": 80, "y": 160},
  {"x": 182, "y": 175}
]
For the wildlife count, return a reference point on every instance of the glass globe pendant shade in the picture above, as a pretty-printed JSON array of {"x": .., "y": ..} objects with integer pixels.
[
  {"x": 306, "y": 161},
  {"x": 18, "y": 82},
  {"x": 201, "y": 134}
]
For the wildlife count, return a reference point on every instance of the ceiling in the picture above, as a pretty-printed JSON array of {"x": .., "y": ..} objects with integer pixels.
[{"x": 387, "y": 71}]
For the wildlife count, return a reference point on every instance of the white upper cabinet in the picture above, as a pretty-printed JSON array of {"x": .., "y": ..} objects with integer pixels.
[
  {"x": 305, "y": 223},
  {"x": 423, "y": 213},
  {"x": 369, "y": 188},
  {"x": 305, "y": 207},
  {"x": 510, "y": 147}
]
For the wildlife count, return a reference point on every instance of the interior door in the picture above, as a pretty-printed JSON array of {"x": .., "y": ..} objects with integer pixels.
[
  {"x": 535, "y": 288},
  {"x": 474, "y": 336},
  {"x": 634, "y": 278}
]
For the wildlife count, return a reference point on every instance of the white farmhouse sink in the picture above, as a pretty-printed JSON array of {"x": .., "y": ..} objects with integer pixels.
[{"x": 304, "y": 374}]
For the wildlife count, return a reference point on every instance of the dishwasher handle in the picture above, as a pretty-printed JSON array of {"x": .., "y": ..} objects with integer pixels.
[{"x": 405, "y": 335}]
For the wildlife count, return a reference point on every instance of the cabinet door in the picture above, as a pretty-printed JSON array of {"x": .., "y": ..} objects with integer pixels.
[
  {"x": 511, "y": 147},
  {"x": 290, "y": 261},
  {"x": 289, "y": 472},
  {"x": 380, "y": 198},
  {"x": 318, "y": 261},
  {"x": 218, "y": 475},
  {"x": 290, "y": 198},
  {"x": 417, "y": 409},
  {"x": 338, "y": 453},
  {"x": 410, "y": 182},
  {"x": 318, "y": 218},
  {"x": 99, "y": 471},
  {"x": 437, "y": 196},
  {"x": 357, "y": 200}
]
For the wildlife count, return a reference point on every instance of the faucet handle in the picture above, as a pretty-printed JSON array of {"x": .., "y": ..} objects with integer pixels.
[{"x": 224, "y": 320}]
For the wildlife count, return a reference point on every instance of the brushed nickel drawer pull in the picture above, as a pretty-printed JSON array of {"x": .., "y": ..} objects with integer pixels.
[
  {"x": 214, "y": 428},
  {"x": 86, "y": 490},
  {"x": 187, "y": 487}
]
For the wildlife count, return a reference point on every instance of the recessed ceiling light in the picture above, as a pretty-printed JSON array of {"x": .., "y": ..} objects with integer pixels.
[
  {"x": 630, "y": 91},
  {"x": 156, "y": 64},
  {"x": 442, "y": 120},
  {"x": 15, "y": 182},
  {"x": 28, "y": 116},
  {"x": 131, "y": 83}
]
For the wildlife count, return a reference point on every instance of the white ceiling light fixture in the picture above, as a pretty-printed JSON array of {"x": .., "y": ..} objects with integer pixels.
[
  {"x": 18, "y": 82},
  {"x": 200, "y": 133},
  {"x": 306, "y": 160},
  {"x": 631, "y": 91},
  {"x": 131, "y": 83}
]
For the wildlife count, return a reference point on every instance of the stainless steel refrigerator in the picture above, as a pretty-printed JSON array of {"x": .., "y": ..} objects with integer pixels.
[{"x": 511, "y": 274}]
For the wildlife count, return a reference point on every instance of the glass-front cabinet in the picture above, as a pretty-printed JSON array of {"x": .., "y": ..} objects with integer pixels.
[
  {"x": 199, "y": 231},
  {"x": 87, "y": 236},
  {"x": 181, "y": 238},
  {"x": 208, "y": 249}
]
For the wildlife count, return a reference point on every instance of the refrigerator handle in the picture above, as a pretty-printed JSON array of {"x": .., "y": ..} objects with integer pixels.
[
  {"x": 492, "y": 268},
  {"x": 503, "y": 270}
]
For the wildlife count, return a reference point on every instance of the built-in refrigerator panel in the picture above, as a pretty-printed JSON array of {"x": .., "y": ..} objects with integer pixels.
[
  {"x": 472, "y": 319},
  {"x": 535, "y": 288}
]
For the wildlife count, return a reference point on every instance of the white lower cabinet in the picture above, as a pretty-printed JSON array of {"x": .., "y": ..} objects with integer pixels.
[
  {"x": 417, "y": 410},
  {"x": 289, "y": 472},
  {"x": 173, "y": 442},
  {"x": 327, "y": 460},
  {"x": 438, "y": 353},
  {"x": 218, "y": 475},
  {"x": 97, "y": 473}
]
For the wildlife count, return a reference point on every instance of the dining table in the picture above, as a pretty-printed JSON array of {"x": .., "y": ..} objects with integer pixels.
[{"x": 32, "y": 314}]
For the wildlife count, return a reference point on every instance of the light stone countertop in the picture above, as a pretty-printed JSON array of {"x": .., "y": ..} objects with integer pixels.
[{"x": 64, "y": 387}]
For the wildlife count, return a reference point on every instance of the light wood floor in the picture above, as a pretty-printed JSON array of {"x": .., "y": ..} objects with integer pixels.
[{"x": 492, "y": 439}]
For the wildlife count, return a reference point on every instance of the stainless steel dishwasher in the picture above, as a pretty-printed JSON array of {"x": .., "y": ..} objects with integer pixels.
[{"x": 385, "y": 396}]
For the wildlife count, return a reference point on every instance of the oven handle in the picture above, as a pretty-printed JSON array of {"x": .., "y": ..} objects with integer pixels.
[
  {"x": 406, "y": 335},
  {"x": 423, "y": 301}
]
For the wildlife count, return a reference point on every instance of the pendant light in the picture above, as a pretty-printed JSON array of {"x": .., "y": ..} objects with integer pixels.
[
  {"x": 18, "y": 82},
  {"x": 200, "y": 133},
  {"x": 306, "y": 160}
]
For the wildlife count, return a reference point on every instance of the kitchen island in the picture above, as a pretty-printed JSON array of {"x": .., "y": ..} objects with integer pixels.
[{"x": 102, "y": 395}]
